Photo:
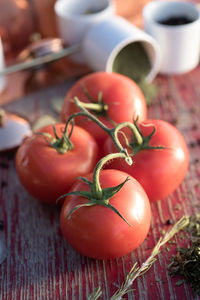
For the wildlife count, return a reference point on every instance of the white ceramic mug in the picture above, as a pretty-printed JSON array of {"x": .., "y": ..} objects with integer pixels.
[
  {"x": 180, "y": 44},
  {"x": 105, "y": 40},
  {"x": 75, "y": 17}
]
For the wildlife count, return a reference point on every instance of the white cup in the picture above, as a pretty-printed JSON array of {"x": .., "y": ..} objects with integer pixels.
[
  {"x": 75, "y": 17},
  {"x": 2, "y": 65},
  {"x": 180, "y": 44},
  {"x": 104, "y": 42}
]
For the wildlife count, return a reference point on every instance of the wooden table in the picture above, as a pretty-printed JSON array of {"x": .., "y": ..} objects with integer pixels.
[{"x": 41, "y": 265}]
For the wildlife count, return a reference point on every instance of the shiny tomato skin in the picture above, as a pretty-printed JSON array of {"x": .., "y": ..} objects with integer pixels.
[
  {"x": 123, "y": 96},
  {"x": 47, "y": 174},
  {"x": 160, "y": 172},
  {"x": 97, "y": 231}
]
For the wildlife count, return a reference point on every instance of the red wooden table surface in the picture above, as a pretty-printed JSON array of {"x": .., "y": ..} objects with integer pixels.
[{"x": 41, "y": 265}]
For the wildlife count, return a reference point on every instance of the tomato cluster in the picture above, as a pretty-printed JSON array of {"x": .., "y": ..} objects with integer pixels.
[{"x": 105, "y": 213}]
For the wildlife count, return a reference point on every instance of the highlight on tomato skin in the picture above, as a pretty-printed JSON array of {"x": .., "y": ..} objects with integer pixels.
[
  {"x": 47, "y": 174},
  {"x": 97, "y": 231},
  {"x": 122, "y": 99},
  {"x": 159, "y": 171}
]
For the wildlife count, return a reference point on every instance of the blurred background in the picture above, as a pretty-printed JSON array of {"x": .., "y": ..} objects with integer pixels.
[
  {"x": 21, "y": 19},
  {"x": 24, "y": 21}
]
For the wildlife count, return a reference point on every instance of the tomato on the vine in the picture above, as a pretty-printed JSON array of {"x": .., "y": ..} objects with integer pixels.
[
  {"x": 97, "y": 231},
  {"x": 45, "y": 172},
  {"x": 119, "y": 99},
  {"x": 160, "y": 171}
]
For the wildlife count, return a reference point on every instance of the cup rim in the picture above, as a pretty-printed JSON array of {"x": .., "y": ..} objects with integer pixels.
[
  {"x": 153, "y": 5},
  {"x": 59, "y": 4}
]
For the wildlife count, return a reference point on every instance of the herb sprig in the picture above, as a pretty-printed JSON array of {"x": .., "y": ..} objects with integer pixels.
[{"x": 136, "y": 272}]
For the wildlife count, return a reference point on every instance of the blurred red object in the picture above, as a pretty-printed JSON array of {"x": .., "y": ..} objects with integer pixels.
[
  {"x": 16, "y": 25},
  {"x": 45, "y": 17}
]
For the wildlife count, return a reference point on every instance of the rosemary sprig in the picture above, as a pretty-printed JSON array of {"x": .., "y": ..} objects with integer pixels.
[
  {"x": 95, "y": 294},
  {"x": 135, "y": 271}
]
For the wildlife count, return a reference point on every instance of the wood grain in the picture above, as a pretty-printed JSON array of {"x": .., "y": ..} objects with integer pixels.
[{"x": 41, "y": 265}]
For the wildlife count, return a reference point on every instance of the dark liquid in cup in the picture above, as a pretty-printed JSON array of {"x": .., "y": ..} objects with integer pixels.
[{"x": 175, "y": 20}]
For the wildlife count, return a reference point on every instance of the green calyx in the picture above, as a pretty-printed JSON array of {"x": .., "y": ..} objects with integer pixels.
[
  {"x": 96, "y": 195},
  {"x": 145, "y": 141},
  {"x": 61, "y": 144},
  {"x": 107, "y": 194}
]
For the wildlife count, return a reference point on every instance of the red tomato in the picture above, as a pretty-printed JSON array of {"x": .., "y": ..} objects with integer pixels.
[
  {"x": 159, "y": 171},
  {"x": 122, "y": 95},
  {"x": 97, "y": 231},
  {"x": 48, "y": 174}
]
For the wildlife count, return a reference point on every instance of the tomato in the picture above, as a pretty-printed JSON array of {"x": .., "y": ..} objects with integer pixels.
[
  {"x": 160, "y": 171},
  {"x": 123, "y": 98},
  {"x": 44, "y": 172},
  {"x": 97, "y": 231}
]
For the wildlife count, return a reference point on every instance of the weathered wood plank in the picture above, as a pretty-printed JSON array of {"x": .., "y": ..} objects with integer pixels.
[{"x": 41, "y": 265}]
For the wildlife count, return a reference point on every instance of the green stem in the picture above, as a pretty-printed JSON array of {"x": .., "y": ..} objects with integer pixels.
[
  {"x": 96, "y": 183},
  {"x": 65, "y": 142},
  {"x": 133, "y": 128},
  {"x": 113, "y": 133},
  {"x": 94, "y": 106},
  {"x": 86, "y": 113},
  {"x": 90, "y": 116}
]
